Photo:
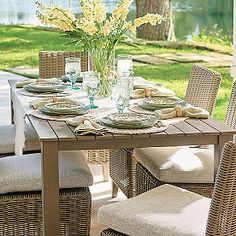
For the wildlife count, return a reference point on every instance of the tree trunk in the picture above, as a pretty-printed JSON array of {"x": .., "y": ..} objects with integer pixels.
[{"x": 159, "y": 32}]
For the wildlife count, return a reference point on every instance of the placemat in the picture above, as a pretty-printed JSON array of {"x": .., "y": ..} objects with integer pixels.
[
  {"x": 151, "y": 130},
  {"x": 40, "y": 115},
  {"x": 138, "y": 109},
  {"x": 43, "y": 95}
]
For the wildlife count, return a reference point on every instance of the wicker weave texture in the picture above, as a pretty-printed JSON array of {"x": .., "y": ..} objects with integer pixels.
[
  {"x": 21, "y": 213},
  {"x": 145, "y": 181},
  {"x": 111, "y": 232},
  {"x": 122, "y": 170},
  {"x": 52, "y": 64},
  {"x": 202, "y": 87},
  {"x": 222, "y": 216},
  {"x": 230, "y": 118},
  {"x": 201, "y": 91}
]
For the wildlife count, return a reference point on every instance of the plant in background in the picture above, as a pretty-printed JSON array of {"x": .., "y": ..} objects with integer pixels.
[
  {"x": 95, "y": 32},
  {"x": 215, "y": 36}
]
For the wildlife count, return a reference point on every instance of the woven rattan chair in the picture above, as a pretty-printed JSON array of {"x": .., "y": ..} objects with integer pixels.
[
  {"x": 52, "y": 64},
  {"x": 169, "y": 210},
  {"x": 21, "y": 200},
  {"x": 145, "y": 180},
  {"x": 201, "y": 91}
]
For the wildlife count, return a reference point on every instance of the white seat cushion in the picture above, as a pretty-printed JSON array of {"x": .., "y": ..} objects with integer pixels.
[
  {"x": 23, "y": 173},
  {"x": 178, "y": 164},
  {"x": 163, "y": 211},
  {"x": 7, "y": 139}
]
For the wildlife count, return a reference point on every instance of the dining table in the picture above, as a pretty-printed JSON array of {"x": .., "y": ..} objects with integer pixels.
[{"x": 56, "y": 136}]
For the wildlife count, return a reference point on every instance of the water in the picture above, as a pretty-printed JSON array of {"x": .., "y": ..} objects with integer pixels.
[{"x": 190, "y": 16}]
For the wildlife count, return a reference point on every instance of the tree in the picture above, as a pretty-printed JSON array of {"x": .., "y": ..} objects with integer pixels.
[{"x": 159, "y": 32}]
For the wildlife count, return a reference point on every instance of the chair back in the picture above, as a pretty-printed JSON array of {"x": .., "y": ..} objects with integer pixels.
[
  {"x": 230, "y": 118},
  {"x": 203, "y": 87},
  {"x": 222, "y": 214},
  {"x": 52, "y": 64}
]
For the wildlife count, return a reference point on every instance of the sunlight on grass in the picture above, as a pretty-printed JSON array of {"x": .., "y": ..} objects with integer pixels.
[{"x": 20, "y": 46}]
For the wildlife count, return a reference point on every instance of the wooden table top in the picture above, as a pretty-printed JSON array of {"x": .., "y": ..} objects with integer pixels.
[{"x": 201, "y": 129}]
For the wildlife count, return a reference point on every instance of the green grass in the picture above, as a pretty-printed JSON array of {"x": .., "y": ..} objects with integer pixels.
[{"x": 19, "y": 46}]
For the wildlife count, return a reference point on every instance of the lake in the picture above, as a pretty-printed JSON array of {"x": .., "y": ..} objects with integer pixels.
[{"x": 190, "y": 16}]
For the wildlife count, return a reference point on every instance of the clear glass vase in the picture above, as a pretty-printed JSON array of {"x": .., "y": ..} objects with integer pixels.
[{"x": 103, "y": 61}]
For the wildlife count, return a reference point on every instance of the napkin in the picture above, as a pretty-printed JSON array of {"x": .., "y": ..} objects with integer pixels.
[
  {"x": 22, "y": 83},
  {"x": 36, "y": 104},
  {"x": 85, "y": 125},
  {"x": 179, "y": 111},
  {"x": 142, "y": 91}
]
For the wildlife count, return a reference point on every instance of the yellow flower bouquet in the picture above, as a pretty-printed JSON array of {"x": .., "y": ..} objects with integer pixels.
[{"x": 95, "y": 31}]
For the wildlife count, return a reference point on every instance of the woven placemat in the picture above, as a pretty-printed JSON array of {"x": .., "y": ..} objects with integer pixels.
[
  {"x": 151, "y": 130},
  {"x": 138, "y": 109},
  {"x": 43, "y": 95},
  {"x": 40, "y": 115}
]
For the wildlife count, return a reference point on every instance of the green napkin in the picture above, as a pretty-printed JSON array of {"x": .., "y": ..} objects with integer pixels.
[
  {"x": 142, "y": 91},
  {"x": 179, "y": 111},
  {"x": 44, "y": 90},
  {"x": 85, "y": 125}
]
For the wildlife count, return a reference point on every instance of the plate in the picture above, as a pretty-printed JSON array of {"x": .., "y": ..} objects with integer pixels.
[
  {"x": 74, "y": 112},
  {"x": 129, "y": 120},
  {"x": 44, "y": 88},
  {"x": 64, "y": 106},
  {"x": 156, "y": 103}
]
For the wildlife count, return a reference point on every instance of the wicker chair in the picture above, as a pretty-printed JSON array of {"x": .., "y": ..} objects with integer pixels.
[
  {"x": 201, "y": 91},
  {"x": 52, "y": 64},
  {"x": 21, "y": 200},
  {"x": 179, "y": 212},
  {"x": 145, "y": 180}
]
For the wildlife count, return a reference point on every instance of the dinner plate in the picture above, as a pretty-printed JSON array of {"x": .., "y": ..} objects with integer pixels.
[
  {"x": 64, "y": 106},
  {"x": 156, "y": 103},
  {"x": 129, "y": 120},
  {"x": 74, "y": 112},
  {"x": 44, "y": 88}
]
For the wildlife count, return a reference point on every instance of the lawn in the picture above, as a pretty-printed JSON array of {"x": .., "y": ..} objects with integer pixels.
[{"x": 19, "y": 46}]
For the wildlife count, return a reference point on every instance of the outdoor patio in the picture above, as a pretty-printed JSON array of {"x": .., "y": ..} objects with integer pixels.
[{"x": 118, "y": 128}]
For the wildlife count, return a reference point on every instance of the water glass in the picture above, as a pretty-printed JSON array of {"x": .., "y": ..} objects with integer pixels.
[
  {"x": 121, "y": 96},
  {"x": 124, "y": 65},
  {"x": 73, "y": 70},
  {"x": 91, "y": 85}
]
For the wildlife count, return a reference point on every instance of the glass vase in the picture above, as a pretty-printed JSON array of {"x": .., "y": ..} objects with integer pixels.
[{"x": 103, "y": 61}]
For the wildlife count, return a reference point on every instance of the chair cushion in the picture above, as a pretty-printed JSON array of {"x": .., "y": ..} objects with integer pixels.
[
  {"x": 31, "y": 139},
  {"x": 166, "y": 210},
  {"x": 23, "y": 173},
  {"x": 7, "y": 139},
  {"x": 178, "y": 164}
]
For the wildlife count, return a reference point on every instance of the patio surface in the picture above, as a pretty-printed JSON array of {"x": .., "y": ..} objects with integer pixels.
[{"x": 101, "y": 191}]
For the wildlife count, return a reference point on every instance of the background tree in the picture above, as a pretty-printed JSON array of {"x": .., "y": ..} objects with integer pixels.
[{"x": 159, "y": 32}]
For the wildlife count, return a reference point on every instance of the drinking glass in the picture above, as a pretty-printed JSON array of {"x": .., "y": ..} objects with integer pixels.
[
  {"x": 121, "y": 95},
  {"x": 124, "y": 65},
  {"x": 73, "y": 70},
  {"x": 91, "y": 84}
]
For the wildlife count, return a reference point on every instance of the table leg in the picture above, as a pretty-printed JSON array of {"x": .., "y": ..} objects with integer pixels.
[
  {"x": 50, "y": 193},
  {"x": 12, "y": 110},
  {"x": 218, "y": 149}
]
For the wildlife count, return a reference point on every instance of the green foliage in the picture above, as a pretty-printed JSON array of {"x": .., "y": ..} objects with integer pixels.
[
  {"x": 215, "y": 36},
  {"x": 20, "y": 46}
]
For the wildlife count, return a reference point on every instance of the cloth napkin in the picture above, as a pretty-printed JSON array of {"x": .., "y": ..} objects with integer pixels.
[
  {"x": 85, "y": 125},
  {"x": 179, "y": 111},
  {"x": 142, "y": 91},
  {"x": 22, "y": 83},
  {"x": 36, "y": 104}
]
